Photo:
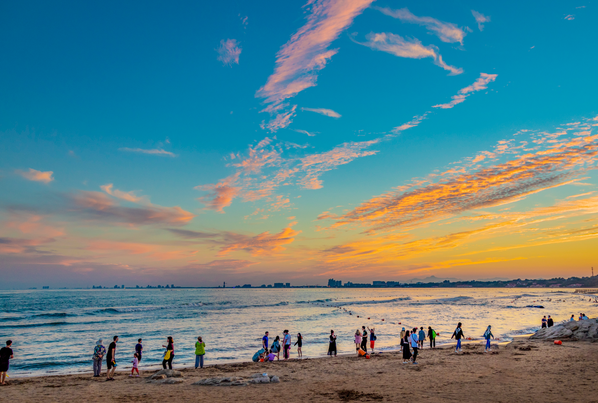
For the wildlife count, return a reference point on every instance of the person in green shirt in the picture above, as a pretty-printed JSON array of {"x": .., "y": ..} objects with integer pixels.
[{"x": 200, "y": 351}]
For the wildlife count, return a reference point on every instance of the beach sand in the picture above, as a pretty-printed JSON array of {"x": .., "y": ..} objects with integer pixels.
[{"x": 522, "y": 371}]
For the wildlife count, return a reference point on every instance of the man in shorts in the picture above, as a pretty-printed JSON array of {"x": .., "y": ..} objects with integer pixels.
[
  {"x": 5, "y": 356},
  {"x": 111, "y": 359}
]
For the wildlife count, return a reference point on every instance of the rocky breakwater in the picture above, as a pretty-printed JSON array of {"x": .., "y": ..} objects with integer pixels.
[
  {"x": 583, "y": 330},
  {"x": 238, "y": 380}
]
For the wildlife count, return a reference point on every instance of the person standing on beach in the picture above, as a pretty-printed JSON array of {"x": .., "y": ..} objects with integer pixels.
[
  {"x": 364, "y": 339},
  {"x": 139, "y": 349},
  {"x": 421, "y": 336},
  {"x": 299, "y": 344},
  {"x": 487, "y": 335},
  {"x": 287, "y": 344},
  {"x": 99, "y": 352},
  {"x": 169, "y": 354},
  {"x": 332, "y": 344},
  {"x": 414, "y": 344},
  {"x": 544, "y": 322},
  {"x": 458, "y": 335},
  {"x": 402, "y": 337},
  {"x": 357, "y": 341},
  {"x": 6, "y": 354},
  {"x": 276, "y": 347},
  {"x": 200, "y": 351},
  {"x": 405, "y": 347},
  {"x": 265, "y": 341},
  {"x": 550, "y": 322},
  {"x": 373, "y": 338},
  {"x": 432, "y": 337},
  {"x": 111, "y": 359}
]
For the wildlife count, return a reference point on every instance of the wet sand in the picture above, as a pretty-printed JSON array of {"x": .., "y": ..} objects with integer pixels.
[{"x": 522, "y": 371}]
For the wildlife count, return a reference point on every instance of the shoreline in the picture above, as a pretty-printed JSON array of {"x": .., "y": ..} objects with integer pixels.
[{"x": 521, "y": 370}]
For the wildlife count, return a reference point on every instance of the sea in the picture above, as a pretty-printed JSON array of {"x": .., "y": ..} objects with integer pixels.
[{"x": 54, "y": 331}]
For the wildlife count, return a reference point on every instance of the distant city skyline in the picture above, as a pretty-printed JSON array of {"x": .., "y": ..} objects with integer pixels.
[{"x": 257, "y": 142}]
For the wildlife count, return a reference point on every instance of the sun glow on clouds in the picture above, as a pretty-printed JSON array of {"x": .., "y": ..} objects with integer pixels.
[{"x": 480, "y": 84}]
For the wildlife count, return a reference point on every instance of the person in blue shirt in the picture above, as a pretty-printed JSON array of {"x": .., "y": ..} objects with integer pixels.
[
  {"x": 414, "y": 344},
  {"x": 421, "y": 336},
  {"x": 265, "y": 341}
]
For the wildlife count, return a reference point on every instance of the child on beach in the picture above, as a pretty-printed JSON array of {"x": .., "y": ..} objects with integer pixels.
[
  {"x": 271, "y": 356},
  {"x": 373, "y": 338},
  {"x": 357, "y": 340},
  {"x": 299, "y": 344},
  {"x": 544, "y": 322},
  {"x": 276, "y": 347},
  {"x": 458, "y": 335},
  {"x": 135, "y": 364},
  {"x": 487, "y": 335}
]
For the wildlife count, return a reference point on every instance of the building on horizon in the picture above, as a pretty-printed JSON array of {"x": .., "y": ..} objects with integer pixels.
[{"x": 334, "y": 283}]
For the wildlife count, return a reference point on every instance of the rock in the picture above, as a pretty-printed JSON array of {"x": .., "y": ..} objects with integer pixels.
[
  {"x": 585, "y": 330},
  {"x": 237, "y": 380},
  {"x": 262, "y": 379},
  {"x": 275, "y": 379},
  {"x": 158, "y": 377},
  {"x": 171, "y": 381},
  {"x": 169, "y": 373}
]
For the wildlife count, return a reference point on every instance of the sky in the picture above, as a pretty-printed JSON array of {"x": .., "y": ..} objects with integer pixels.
[{"x": 193, "y": 143}]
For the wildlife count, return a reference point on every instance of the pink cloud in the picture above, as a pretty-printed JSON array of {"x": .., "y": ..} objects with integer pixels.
[
  {"x": 446, "y": 31},
  {"x": 480, "y": 84},
  {"x": 480, "y": 19},
  {"x": 322, "y": 111},
  {"x": 407, "y": 48},
  {"x": 36, "y": 176},
  {"x": 221, "y": 194},
  {"x": 306, "y": 53},
  {"x": 259, "y": 245},
  {"x": 229, "y": 52},
  {"x": 128, "y": 196},
  {"x": 157, "y": 151}
]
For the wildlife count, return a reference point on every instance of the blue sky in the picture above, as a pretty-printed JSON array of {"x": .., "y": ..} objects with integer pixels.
[{"x": 162, "y": 101}]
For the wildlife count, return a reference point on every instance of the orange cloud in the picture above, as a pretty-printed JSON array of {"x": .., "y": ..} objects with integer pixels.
[
  {"x": 128, "y": 196},
  {"x": 36, "y": 176},
  {"x": 490, "y": 186},
  {"x": 221, "y": 194}
]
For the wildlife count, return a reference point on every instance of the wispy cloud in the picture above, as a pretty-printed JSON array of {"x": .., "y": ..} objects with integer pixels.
[
  {"x": 259, "y": 245},
  {"x": 156, "y": 151},
  {"x": 472, "y": 186},
  {"x": 480, "y": 84},
  {"x": 446, "y": 31},
  {"x": 36, "y": 176},
  {"x": 266, "y": 168},
  {"x": 281, "y": 120},
  {"x": 228, "y": 52},
  {"x": 128, "y": 196},
  {"x": 310, "y": 134},
  {"x": 412, "y": 123},
  {"x": 570, "y": 17},
  {"x": 480, "y": 19},
  {"x": 306, "y": 53},
  {"x": 407, "y": 48},
  {"x": 322, "y": 111},
  {"x": 99, "y": 206}
]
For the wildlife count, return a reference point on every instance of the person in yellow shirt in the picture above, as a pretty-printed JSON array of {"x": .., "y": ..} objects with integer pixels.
[{"x": 200, "y": 351}]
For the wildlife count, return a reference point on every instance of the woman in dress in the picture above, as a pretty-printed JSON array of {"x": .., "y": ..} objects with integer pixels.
[
  {"x": 406, "y": 350},
  {"x": 357, "y": 341},
  {"x": 332, "y": 344}
]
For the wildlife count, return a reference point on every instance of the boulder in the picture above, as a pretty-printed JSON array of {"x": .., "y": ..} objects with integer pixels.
[
  {"x": 238, "y": 381},
  {"x": 171, "y": 381},
  {"x": 261, "y": 379},
  {"x": 584, "y": 330},
  {"x": 170, "y": 373},
  {"x": 275, "y": 379}
]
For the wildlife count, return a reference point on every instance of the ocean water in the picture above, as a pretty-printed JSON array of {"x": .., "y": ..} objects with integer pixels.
[{"x": 55, "y": 331}]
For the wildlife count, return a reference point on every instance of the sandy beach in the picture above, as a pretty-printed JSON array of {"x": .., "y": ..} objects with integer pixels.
[{"x": 524, "y": 371}]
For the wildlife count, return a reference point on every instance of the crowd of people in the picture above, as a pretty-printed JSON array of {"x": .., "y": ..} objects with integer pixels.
[{"x": 411, "y": 342}]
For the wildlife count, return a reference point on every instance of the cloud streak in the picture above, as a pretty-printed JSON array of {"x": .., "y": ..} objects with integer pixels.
[
  {"x": 446, "y": 31},
  {"x": 322, "y": 111},
  {"x": 156, "y": 151},
  {"x": 306, "y": 53},
  {"x": 407, "y": 48},
  {"x": 480, "y": 84}
]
